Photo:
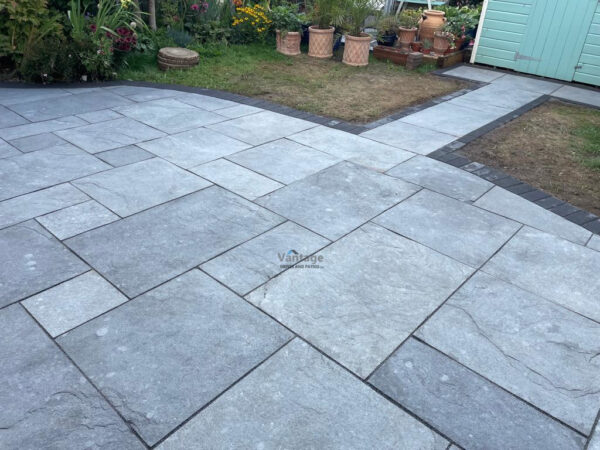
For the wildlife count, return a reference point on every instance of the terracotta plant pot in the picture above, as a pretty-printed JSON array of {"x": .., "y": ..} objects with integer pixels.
[
  {"x": 288, "y": 43},
  {"x": 320, "y": 43},
  {"x": 426, "y": 51},
  {"x": 356, "y": 50},
  {"x": 441, "y": 42},
  {"x": 432, "y": 21},
  {"x": 416, "y": 46},
  {"x": 406, "y": 36}
]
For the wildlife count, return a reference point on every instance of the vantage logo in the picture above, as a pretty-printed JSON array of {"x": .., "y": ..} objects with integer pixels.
[{"x": 292, "y": 258}]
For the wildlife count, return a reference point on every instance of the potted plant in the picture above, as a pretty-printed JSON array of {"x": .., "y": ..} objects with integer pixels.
[
  {"x": 416, "y": 46},
  {"x": 358, "y": 43},
  {"x": 324, "y": 14},
  {"x": 288, "y": 27},
  {"x": 442, "y": 41},
  {"x": 387, "y": 30},
  {"x": 409, "y": 21},
  {"x": 427, "y": 45}
]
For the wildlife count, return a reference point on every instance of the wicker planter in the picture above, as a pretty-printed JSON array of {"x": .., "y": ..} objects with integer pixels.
[
  {"x": 441, "y": 42},
  {"x": 406, "y": 36},
  {"x": 320, "y": 43},
  {"x": 288, "y": 43},
  {"x": 356, "y": 50}
]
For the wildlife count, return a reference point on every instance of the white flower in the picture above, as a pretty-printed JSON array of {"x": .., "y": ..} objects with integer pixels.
[{"x": 132, "y": 24}]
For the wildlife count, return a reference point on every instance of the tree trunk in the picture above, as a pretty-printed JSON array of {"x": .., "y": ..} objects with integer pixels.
[{"x": 152, "y": 13}]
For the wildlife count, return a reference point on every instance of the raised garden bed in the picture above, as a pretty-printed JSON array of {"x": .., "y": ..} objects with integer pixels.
[{"x": 399, "y": 56}]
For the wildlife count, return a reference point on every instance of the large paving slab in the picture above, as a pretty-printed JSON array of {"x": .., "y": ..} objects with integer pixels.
[
  {"x": 530, "y": 346},
  {"x": 37, "y": 142},
  {"x": 300, "y": 399},
  {"x": 594, "y": 443},
  {"x": 263, "y": 127},
  {"x": 46, "y": 401},
  {"x": 7, "y": 150},
  {"x": 233, "y": 112},
  {"x": 194, "y": 147},
  {"x": 205, "y": 102},
  {"x": 554, "y": 268},
  {"x": 409, "y": 137},
  {"x": 456, "y": 229},
  {"x": 135, "y": 187},
  {"x": 441, "y": 177},
  {"x": 494, "y": 96},
  {"x": 260, "y": 259},
  {"x": 10, "y": 119},
  {"x": 507, "y": 204},
  {"x": 76, "y": 219},
  {"x": 474, "y": 73},
  {"x": 594, "y": 242},
  {"x": 124, "y": 155},
  {"x": 48, "y": 126},
  {"x": 100, "y": 116},
  {"x": 373, "y": 290},
  {"x": 579, "y": 95},
  {"x": 108, "y": 135},
  {"x": 32, "y": 261},
  {"x": 170, "y": 115},
  {"x": 13, "y": 96},
  {"x": 171, "y": 238},
  {"x": 164, "y": 355},
  {"x": 527, "y": 84},
  {"x": 284, "y": 160},
  {"x": 338, "y": 199},
  {"x": 352, "y": 148},
  {"x": 37, "y": 170},
  {"x": 467, "y": 408},
  {"x": 143, "y": 94}
]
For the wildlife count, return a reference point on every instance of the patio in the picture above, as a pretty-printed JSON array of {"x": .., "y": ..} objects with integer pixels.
[{"x": 183, "y": 271}]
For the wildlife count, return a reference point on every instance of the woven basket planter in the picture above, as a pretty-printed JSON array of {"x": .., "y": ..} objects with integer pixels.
[
  {"x": 288, "y": 43},
  {"x": 356, "y": 50},
  {"x": 320, "y": 43}
]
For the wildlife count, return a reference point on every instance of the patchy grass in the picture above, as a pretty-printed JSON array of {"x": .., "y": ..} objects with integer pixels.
[
  {"x": 555, "y": 147},
  {"x": 322, "y": 87}
]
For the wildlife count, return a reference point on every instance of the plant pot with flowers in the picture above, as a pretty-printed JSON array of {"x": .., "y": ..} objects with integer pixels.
[
  {"x": 387, "y": 30},
  {"x": 427, "y": 45},
  {"x": 288, "y": 27},
  {"x": 442, "y": 41},
  {"x": 324, "y": 14},
  {"x": 358, "y": 43},
  {"x": 409, "y": 21}
]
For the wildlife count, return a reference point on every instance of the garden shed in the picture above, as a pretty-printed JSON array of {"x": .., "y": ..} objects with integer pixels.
[{"x": 551, "y": 38}]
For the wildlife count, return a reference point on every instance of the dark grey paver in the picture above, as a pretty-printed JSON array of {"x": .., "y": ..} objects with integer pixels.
[
  {"x": 144, "y": 250},
  {"x": 76, "y": 219},
  {"x": 194, "y": 147},
  {"x": 32, "y": 261},
  {"x": 374, "y": 288},
  {"x": 36, "y": 170},
  {"x": 300, "y": 399},
  {"x": 108, "y": 135},
  {"x": 260, "y": 259},
  {"x": 48, "y": 126},
  {"x": 37, "y": 203},
  {"x": 124, "y": 155},
  {"x": 284, "y": 160},
  {"x": 37, "y": 142},
  {"x": 154, "y": 357},
  {"x": 135, "y": 187},
  {"x": 352, "y": 148},
  {"x": 46, "y": 401},
  {"x": 468, "y": 409},
  {"x": 337, "y": 199},
  {"x": 73, "y": 302},
  {"x": 442, "y": 178},
  {"x": 532, "y": 347},
  {"x": 502, "y": 202},
  {"x": 10, "y": 119},
  {"x": 409, "y": 137},
  {"x": 556, "y": 269},
  {"x": 100, "y": 116}
]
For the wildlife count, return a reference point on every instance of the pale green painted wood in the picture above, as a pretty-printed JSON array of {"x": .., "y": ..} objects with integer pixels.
[{"x": 588, "y": 70}]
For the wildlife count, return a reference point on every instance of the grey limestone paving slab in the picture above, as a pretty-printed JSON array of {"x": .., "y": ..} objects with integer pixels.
[
  {"x": 205, "y": 102},
  {"x": 260, "y": 259},
  {"x": 492, "y": 96},
  {"x": 456, "y": 229},
  {"x": 48, "y": 126},
  {"x": 111, "y": 134},
  {"x": 142, "y": 94},
  {"x": 100, "y": 116},
  {"x": 373, "y": 291},
  {"x": 338, "y": 199},
  {"x": 409, "y": 137},
  {"x": 7, "y": 150},
  {"x": 551, "y": 267},
  {"x": 73, "y": 302},
  {"x": 34, "y": 261},
  {"x": 263, "y": 127},
  {"x": 37, "y": 142},
  {"x": 129, "y": 189},
  {"x": 236, "y": 178},
  {"x": 443, "y": 178},
  {"x": 530, "y": 346},
  {"x": 506, "y": 203},
  {"x": 194, "y": 147},
  {"x": 37, "y": 170},
  {"x": 352, "y": 148},
  {"x": 28, "y": 206},
  {"x": 579, "y": 95},
  {"x": 300, "y": 399},
  {"x": 124, "y": 155},
  {"x": 10, "y": 119},
  {"x": 154, "y": 357},
  {"x": 594, "y": 443},
  {"x": 171, "y": 238},
  {"x": 464, "y": 119},
  {"x": 40, "y": 110},
  {"x": 170, "y": 115},
  {"x": 474, "y": 73},
  {"x": 527, "y": 84},
  {"x": 284, "y": 160},
  {"x": 46, "y": 401},
  {"x": 468, "y": 409},
  {"x": 234, "y": 112},
  {"x": 76, "y": 219},
  {"x": 13, "y": 96},
  {"x": 594, "y": 242}
]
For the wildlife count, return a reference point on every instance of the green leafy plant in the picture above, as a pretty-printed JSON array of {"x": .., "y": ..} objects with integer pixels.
[
  {"x": 387, "y": 26},
  {"x": 409, "y": 18},
  {"x": 356, "y": 14},
  {"x": 427, "y": 44},
  {"x": 461, "y": 21},
  {"x": 285, "y": 19},
  {"x": 326, "y": 13},
  {"x": 181, "y": 37}
]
